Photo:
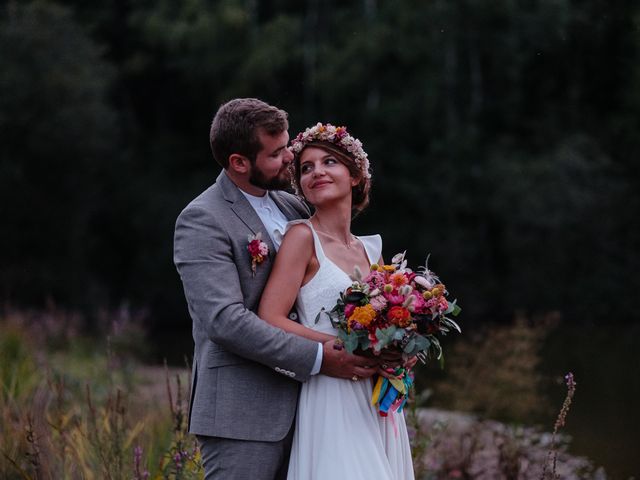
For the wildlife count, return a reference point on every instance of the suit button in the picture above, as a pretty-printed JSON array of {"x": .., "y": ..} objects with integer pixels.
[{"x": 293, "y": 316}]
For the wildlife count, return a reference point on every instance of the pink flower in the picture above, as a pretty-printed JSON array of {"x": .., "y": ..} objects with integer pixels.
[
  {"x": 378, "y": 302},
  {"x": 264, "y": 249},
  {"x": 375, "y": 280},
  {"x": 254, "y": 247},
  {"x": 442, "y": 304},
  {"x": 394, "y": 298},
  {"x": 349, "y": 309},
  {"x": 419, "y": 303}
]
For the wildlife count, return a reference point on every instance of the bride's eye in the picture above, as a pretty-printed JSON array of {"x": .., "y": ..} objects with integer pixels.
[
  {"x": 330, "y": 161},
  {"x": 305, "y": 168}
]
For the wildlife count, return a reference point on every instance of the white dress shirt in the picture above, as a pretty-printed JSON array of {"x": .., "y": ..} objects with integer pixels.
[{"x": 275, "y": 222}]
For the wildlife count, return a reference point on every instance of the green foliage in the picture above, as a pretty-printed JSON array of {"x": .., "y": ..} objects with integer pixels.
[
  {"x": 68, "y": 414},
  {"x": 495, "y": 374}
]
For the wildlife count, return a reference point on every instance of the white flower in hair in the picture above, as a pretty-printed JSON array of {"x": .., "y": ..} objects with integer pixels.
[{"x": 338, "y": 136}]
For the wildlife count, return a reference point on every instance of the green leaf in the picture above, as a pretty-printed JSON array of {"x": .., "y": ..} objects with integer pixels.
[
  {"x": 318, "y": 316},
  {"x": 385, "y": 336},
  {"x": 410, "y": 346},
  {"x": 351, "y": 342}
]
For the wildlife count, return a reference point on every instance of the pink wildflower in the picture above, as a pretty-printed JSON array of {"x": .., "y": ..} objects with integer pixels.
[
  {"x": 375, "y": 280},
  {"x": 394, "y": 298},
  {"x": 419, "y": 303},
  {"x": 349, "y": 309},
  {"x": 378, "y": 303}
]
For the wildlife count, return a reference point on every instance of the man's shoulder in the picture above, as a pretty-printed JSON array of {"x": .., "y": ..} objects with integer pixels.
[{"x": 206, "y": 203}]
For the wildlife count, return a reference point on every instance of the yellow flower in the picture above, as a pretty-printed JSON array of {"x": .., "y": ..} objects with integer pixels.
[
  {"x": 389, "y": 268},
  {"x": 363, "y": 315}
]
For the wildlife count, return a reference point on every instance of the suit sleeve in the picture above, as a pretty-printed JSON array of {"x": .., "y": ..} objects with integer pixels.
[{"x": 204, "y": 258}]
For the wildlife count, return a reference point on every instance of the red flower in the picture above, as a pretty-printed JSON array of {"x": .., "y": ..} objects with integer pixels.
[{"x": 399, "y": 316}]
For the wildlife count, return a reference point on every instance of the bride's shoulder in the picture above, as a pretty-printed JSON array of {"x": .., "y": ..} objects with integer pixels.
[{"x": 298, "y": 232}]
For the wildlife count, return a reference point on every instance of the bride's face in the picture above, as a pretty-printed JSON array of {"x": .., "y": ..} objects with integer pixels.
[{"x": 323, "y": 178}]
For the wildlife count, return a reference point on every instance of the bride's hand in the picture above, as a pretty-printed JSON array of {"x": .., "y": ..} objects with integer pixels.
[
  {"x": 410, "y": 363},
  {"x": 387, "y": 370}
]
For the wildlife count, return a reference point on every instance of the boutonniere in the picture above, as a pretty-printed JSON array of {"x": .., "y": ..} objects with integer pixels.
[{"x": 258, "y": 251}]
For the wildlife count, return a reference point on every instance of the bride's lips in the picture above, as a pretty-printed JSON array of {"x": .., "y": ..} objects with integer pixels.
[{"x": 319, "y": 184}]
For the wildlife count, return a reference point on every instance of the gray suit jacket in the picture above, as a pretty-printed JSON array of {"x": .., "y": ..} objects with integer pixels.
[{"x": 244, "y": 370}]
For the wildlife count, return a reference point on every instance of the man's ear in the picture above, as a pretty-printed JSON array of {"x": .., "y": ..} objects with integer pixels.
[{"x": 239, "y": 163}]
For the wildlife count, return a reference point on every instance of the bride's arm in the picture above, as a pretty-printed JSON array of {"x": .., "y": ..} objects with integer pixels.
[{"x": 292, "y": 265}]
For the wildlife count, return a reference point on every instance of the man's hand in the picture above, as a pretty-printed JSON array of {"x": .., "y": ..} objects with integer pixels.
[{"x": 341, "y": 364}]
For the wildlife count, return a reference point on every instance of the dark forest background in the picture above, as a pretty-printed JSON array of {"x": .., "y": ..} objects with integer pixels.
[{"x": 503, "y": 135}]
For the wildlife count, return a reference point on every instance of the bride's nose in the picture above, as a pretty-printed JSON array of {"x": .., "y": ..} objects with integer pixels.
[{"x": 318, "y": 170}]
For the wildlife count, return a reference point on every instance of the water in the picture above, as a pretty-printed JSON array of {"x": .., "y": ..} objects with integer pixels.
[{"x": 604, "y": 419}]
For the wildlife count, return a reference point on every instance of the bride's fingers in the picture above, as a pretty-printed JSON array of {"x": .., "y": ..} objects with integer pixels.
[
  {"x": 386, "y": 372},
  {"x": 410, "y": 363}
]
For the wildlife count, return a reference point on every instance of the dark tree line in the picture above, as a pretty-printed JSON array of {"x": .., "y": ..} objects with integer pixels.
[{"x": 503, "y": 137}]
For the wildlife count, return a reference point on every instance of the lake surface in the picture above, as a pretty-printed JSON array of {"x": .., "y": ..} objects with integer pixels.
[{"x": 604, "y": 419}]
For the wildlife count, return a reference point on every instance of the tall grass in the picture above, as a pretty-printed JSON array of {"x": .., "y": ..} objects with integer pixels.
[{"x": 70, "y": 410}]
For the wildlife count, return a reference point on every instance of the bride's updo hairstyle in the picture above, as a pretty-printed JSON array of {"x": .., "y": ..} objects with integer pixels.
[{"x": 347, "y": 150}]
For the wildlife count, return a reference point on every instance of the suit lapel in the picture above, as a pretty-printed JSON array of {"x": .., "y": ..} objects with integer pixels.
[
  {"x": 243, "y": 209},
  {"x": 284, "y": 207}
]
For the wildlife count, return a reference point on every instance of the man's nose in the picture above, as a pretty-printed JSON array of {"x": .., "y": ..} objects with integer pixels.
[{"x": 288, "y": 155}]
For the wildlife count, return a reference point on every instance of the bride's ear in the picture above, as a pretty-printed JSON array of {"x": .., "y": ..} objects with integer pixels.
[{"x": 239, "y": 163}]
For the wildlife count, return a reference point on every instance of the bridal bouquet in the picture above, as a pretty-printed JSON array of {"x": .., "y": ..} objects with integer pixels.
[{"x": 393, "y": 307}]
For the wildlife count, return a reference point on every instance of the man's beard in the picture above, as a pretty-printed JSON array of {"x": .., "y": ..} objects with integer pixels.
[{"x": 258, "y": 179}]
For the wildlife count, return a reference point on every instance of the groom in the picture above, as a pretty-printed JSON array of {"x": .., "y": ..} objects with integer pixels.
[{"x": 245, "y": 371}]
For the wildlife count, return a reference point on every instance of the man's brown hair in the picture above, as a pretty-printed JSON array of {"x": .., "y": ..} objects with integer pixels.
[{"x": 236, "y": 125}]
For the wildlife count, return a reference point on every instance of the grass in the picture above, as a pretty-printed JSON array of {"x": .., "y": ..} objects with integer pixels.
[
  {"x": 76, "y": 407},
  {"x": 68, "y": 411}
]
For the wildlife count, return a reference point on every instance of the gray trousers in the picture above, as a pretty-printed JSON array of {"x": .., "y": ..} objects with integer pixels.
[{"x": 228, "y": 459}]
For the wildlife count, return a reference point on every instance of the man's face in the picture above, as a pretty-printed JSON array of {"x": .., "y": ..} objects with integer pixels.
[{"x": 270, "y": 170}]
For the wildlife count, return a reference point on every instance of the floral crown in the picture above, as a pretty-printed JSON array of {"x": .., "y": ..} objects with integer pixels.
[{"x": 339, "y": 137}]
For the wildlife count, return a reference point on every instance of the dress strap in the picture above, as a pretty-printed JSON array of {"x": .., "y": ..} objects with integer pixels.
[
  {"x": 373, "y": 247},
  {"x": 316, "y": 240}
]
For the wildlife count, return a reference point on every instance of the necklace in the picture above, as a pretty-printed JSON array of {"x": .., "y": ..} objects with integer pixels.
[{"x": 348, "y": 244}]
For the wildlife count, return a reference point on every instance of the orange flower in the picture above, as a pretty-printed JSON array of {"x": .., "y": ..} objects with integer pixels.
[
  {"x": 363, "y": 315},
  {"x": 399, "y": 316},
  {"x": 398, "y": 279}
]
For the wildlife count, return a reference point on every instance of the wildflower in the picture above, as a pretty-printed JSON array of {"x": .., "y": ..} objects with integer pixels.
[
  {"x": 398, "y": 279},
  {"x": 399, "y": 316},
  {"x": 423, "y": 282},
  {"x": 348, "y": 309},
  {"x": 378, "y": 303},
  {"x": 362, "y": 315}
]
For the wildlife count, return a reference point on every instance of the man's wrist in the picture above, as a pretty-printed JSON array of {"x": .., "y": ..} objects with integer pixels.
[{"x": 318, "y": 363}]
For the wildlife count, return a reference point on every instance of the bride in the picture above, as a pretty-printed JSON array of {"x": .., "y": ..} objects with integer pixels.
[{"x": 338, "y": 433}]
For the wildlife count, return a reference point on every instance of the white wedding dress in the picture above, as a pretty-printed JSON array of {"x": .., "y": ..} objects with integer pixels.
[{"x": 339, "y": 434}]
